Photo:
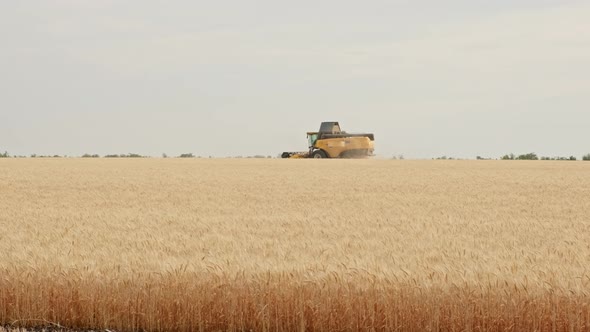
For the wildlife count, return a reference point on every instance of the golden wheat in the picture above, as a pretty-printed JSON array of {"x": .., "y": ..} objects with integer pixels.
[{"x": 280, "y": 245}]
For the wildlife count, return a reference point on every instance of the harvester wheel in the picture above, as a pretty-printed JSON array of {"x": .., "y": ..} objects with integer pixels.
[{"x": 319, "y": 154}]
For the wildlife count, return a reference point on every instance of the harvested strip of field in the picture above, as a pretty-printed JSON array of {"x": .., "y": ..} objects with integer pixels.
[{"x": 168, "y": 244}]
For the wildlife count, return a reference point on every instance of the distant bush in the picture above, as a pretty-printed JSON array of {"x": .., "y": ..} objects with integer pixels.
[
  {"x": 528, "y": 156},
  {"x": 586, "y": 157},
  {"x": 4, "y": 155},
  {"x": 186, "y": 155},
  {"x": 509, "y": 157},
  {"x": 86, "y": 155}
]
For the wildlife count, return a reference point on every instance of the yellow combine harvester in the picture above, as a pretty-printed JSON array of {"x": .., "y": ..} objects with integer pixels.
[{"x": 331, "y": 142}]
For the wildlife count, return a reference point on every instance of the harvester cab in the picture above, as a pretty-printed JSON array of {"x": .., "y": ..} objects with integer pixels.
[
  {"x": 331, "y": 142},
  {"x": 311, "y": 139}
]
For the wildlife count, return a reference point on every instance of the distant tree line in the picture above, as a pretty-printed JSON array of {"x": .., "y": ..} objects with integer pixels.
[
  {"x": 164, "y": 155},
  {"x": 533, "y": 156},
  {"x": 42, "y": 156},
  {"x": 258, "y": 156},
  {"x": 511, "y": 156},
  {"x": 559, "y": 158},
  {"x": 129, "y": 155}
]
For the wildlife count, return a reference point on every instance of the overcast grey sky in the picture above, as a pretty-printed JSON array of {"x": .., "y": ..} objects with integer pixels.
[{"x": 429, "y": 78}]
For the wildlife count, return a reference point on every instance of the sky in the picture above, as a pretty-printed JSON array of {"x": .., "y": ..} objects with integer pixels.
[{"x": 460, "y": 78}]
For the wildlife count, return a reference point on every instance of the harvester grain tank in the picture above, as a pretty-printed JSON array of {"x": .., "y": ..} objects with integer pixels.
[{"x": 331, "y": 142}]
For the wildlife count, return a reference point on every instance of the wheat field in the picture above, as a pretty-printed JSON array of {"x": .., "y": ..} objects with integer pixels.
[{"x": 294, "y": 245}]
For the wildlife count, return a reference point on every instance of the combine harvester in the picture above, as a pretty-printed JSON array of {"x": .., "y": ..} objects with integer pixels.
[{"x": 331, "y": 142}]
